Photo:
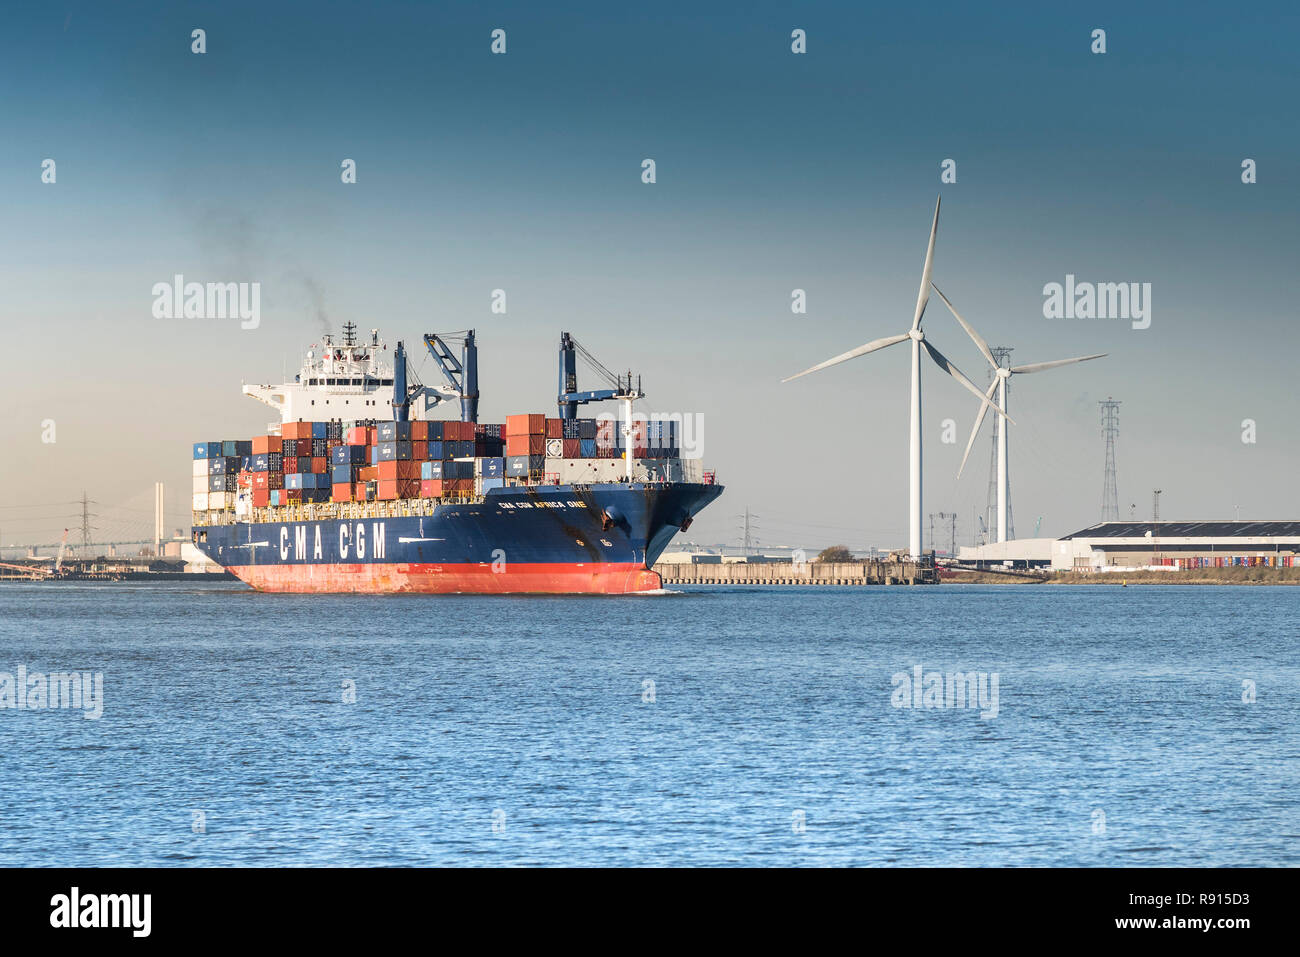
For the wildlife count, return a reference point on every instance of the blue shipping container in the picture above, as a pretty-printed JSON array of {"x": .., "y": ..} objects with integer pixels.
[
  {"x": 518, "y": 466},
  {"x": 431, "y": 470}
]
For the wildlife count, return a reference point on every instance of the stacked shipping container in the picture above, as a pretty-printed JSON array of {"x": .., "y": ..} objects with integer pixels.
[{"x": 384, "y": 461}]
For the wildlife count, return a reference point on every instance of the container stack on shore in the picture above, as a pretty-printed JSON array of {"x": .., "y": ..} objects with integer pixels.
[
  {"x": 1228, "y": 561},
  {"x": 378, "y": 461}
]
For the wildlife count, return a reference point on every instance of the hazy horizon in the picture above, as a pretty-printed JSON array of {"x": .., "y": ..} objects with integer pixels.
[{"x": 775, "y": 171}]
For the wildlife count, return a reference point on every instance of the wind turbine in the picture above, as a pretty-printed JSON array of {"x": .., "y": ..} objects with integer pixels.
[
  {"x": 919, "y": 342},
  {"x": 1001, "y": 375}
]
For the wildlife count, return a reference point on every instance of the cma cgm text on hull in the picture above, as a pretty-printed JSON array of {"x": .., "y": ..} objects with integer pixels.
[{"x": 358, "y": 504}]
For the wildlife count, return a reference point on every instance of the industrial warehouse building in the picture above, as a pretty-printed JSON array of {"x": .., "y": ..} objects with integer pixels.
[{"x": 1144, "y": 544}]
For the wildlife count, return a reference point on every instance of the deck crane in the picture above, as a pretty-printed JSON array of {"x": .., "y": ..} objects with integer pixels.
[
  {"x": 570, "y": 398},
  {"x": 461, "y": 375}
]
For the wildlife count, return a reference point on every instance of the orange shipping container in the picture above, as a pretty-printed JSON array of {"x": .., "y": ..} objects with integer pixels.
[
  {"x": 356, "y": 436},
  {"x": 368, "y": 474},
  {"x": 526, "y": 424},
  {"x": 320, "y": 464},
  {"x": 554, "y": 429},
  {"x": 387, "y": 491},
  {"x": 341, "y": 492},
  {"x": 263, "y": 444},
  {"x": 397, "y": 471},
  {"x": 525, "y": 445},
  {"x": 419, "y": 430},
  {"x": 296, "y": 430},
  {"x": 431, "y": 488}
]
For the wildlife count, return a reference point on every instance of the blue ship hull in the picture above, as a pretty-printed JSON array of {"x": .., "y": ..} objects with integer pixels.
[{"x": 521, "y": 539}]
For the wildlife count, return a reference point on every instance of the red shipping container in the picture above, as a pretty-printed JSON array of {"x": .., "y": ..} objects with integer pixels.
[
  {"x": 526, "y": 424},
  {"x": 320, "y": 464},
  {"x": 289, "y": 465},
  {"x": 458, "y": 485},
  {"x": 420, "y": 450},
  {"x": 356, "y": 436},
  {"x": 369, "y": 473},
  {"x": 295, "y": 430},
  {"x": 261, "y": 497},
  {"x": 398, "y": 471},
  {"x": 263, "y": 444},
  {"x": 372, "y": 436},
  {"x": 572, "y": 448},
  {"x": 554, "y": 429},
  {"x": 341, "y": 492},
  {"x": 419, "y": 430},
  {"x": 304, "y": 448},
  {"x": 526, "y": 445},
  {"x": 274, "y": 479},
  {"x": 431, "y": 488},
  {"x": 259, "y": 480}
]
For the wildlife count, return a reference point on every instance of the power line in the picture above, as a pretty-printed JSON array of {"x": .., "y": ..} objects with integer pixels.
[{"x": 1110, "y": 428}]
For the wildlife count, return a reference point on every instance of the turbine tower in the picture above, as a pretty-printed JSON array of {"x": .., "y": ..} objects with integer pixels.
[
  {"x": 919, "y": 342},
  {"x": 1001, "y": 377},
  {"x": 1003, "y": 356}
]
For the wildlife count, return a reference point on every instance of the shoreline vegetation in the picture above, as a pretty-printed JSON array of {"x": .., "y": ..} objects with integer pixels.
[{"x": 1259, "y": 575}]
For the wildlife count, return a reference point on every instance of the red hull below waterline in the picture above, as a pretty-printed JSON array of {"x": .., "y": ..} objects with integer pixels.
[{"x": 476, "y": 579}]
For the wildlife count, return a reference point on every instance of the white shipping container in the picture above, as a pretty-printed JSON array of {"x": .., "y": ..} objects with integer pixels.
[
  {"x": 200, "y": 484},
  {"x": 200, "y": 501},
  {"x": 200, "y": 467}
]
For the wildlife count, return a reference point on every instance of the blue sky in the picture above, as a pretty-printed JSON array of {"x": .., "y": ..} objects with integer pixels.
[{"x": 775, "y": 171}]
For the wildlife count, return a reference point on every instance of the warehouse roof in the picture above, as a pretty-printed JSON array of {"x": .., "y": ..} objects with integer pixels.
[{"x": 1245, "y": 529}]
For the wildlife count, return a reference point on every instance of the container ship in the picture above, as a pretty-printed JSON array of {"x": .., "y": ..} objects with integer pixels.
[{"x": 358, "y": 488}]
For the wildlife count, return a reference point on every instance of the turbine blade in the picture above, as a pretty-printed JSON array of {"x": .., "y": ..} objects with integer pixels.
[
  {"x": 975, "y": 336},
  {"x": 979, "y": 420},
  {"x": 1040, "y": 366},
  {"x": 923, "y": 296},
  {"x": 942, "y": 361},
  {"x": 852, "y": 354}
]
